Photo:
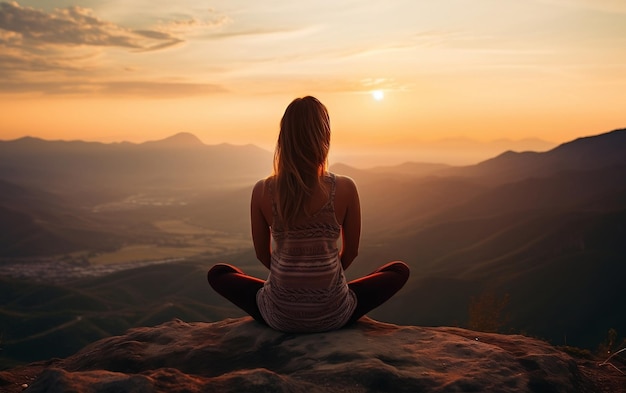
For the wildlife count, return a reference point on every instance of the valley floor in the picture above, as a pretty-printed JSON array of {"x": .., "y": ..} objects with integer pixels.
[{"x": 52, "y": 270}]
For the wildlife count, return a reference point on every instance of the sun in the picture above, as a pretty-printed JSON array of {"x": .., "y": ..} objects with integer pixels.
[{"x": 378, "y": 94}]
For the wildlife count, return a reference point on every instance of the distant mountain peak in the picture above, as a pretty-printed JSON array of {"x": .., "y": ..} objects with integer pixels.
[{"x": 182, "y": 139}]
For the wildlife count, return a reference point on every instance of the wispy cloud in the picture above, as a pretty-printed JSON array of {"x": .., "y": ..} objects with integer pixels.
[
  {"x": 162, "y": 89},
  {"x": 155, "y": 89},
  {"x": 189, "y": 25},
  {"x": 65, "y": 50},
  {"x": 76, "y": 26}
]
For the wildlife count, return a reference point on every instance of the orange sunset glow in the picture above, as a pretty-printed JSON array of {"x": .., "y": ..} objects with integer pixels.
[
  {"x": 395, "y": 76},
  {"x": 460, "y": 228}
]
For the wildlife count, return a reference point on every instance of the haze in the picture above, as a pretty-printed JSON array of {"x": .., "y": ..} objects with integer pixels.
[{"x": 482, "y": 70}]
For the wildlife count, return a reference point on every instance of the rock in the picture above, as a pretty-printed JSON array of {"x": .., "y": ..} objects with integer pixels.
[{"x": 240, "y": 355}]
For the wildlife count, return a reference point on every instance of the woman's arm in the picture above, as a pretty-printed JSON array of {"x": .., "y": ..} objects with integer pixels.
[
  {"x": 261, "y": 237},
  {"x": 351, "y": 225}
]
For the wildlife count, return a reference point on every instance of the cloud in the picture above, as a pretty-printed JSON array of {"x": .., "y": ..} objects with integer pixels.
[
  {"x": 76, "y": 26},
  {"x": 271, "y": 32},
  {"x": 153, "y": 89},
  {"x": 14, "y": 62},
  {"x": 67, "y": 51},
  {"x": 188, "y": 25},
  {"x": 162, "y": 89}
]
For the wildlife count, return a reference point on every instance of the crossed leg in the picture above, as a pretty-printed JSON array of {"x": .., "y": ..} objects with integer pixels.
[
  {"x": 238, "y": 287},
  {"x": 377, "y": 287},
  {"x": 371, "y": 291}
]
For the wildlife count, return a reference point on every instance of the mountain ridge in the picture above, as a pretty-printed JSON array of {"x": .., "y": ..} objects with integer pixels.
[
  {"x": 549, "y": 238},
  {"x": 178, "y": 161},
  {"x": 594, "y": 151},
  {"x": 184, "y": 140}
]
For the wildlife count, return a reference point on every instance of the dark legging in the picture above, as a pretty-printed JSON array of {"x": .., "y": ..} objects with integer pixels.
[
  {"x": 371, "y": 291},
  {"x": 377, "y": 287}
]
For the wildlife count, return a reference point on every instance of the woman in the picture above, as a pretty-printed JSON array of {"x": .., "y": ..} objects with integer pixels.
[{"x": 306, "y": 210}]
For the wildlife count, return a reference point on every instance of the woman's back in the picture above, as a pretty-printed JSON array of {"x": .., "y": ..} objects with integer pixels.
[
  {"x": 306, "y": 289},
  {"x": 346, "y": 206}
]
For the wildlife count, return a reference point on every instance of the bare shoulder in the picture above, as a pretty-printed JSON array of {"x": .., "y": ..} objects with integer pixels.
[
  {"x": 258, "y": 189},
  {"x": 261, "y": 188},
  {"x": 346, "y": 190},
  {"x": 345, "y": 183}
]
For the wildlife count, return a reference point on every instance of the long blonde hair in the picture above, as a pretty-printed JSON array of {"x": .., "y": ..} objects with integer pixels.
[{"x": 301, "y": 156}]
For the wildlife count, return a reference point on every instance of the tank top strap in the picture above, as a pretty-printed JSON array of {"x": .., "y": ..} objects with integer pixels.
[
  {"x": 333, "y": 186},
  {"x": 270, "y": 189}
]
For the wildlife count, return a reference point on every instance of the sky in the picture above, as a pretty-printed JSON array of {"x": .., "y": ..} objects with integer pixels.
[{"x": 395, "y": 75}]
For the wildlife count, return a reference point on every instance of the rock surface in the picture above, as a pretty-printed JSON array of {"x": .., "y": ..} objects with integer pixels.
[{"x": 240, "y": 355}]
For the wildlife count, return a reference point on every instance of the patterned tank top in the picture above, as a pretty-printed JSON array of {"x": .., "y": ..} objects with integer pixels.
[{"x": 306, "y": 290}]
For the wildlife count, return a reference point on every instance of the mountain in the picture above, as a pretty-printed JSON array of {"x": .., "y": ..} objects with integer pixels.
[
  {"x": 592, "y": 152},
  {"x": 90, "y": 172},
  {"x": 42, "y": 319},
  {"x": 548, "y": 236},
  {"x": 541, "y": 232},
  {"x": 60, "y": 197},
  {"x": 182, "y": 140},
  {"x": 415, "y": 169},
  {"x": 36, "y": 222}
]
